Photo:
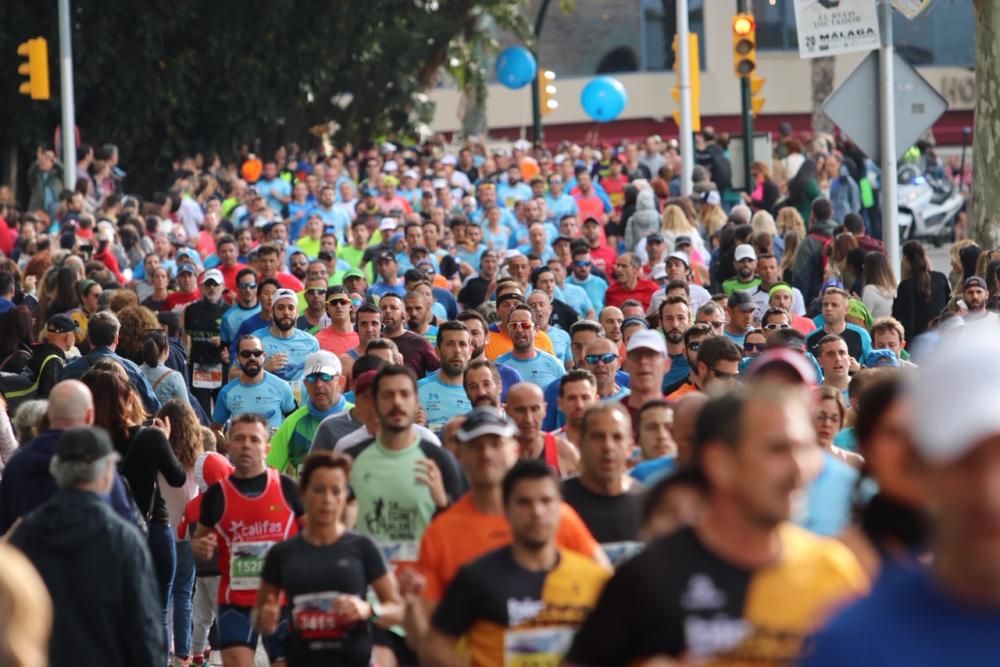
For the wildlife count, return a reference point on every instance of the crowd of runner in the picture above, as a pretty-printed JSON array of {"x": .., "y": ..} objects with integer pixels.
[{"x": 492, "y": 405}]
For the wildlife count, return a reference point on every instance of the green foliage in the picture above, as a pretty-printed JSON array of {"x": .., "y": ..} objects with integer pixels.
[{"x": 164, "y": 78}]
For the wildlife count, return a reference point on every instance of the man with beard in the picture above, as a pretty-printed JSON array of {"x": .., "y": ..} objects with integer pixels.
[
  {"x": 740, "y": 312},
  {"x": 298, "y": 265},
  {"x": 419, "y": 316},
  {"x": 482, "y": 384},
  {"x": 254, "y": 390},
  {"x": 675, "y": 319},
  {"x": 202, "y": 326},
  {"x": 526, "y": 406},
  {"x": 509, "y": 296},
  {"x": 400, "y": 481},
  {"x": 975, "y": 294},
  {"x": 269, "y": 266},
  {"x": 537, "y": 367},
  {"x": 324, "y": 382},
  {"x": 418, "y": 355},
  {"x": 745, "y": 262},
  {"x": 286, "y": 346},
  {"x": 441, "y": 393},
  {"x": 477, "y": 289},
  {"x": 479, "y": 335},
  {"x": 678, "y": 266},
  {"x": 577, "y": 392},
  {"x": 367, "y": 327},
  {"x": 246, "y": 306},
  {"x": 314, "y": 318},
  {"x": 582, "y": 276},
  {"x": 630, "y": 283}
]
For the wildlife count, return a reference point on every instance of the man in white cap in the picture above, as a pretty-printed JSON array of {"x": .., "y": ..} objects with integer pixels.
[
  {"x": 646, "y": 362},
  {"x": 202, "y": 327},
  {"x": 745, "y": 263},
  {"x": 948, "y": 613},
  {"x": 324, "y": 381},
  {"x": 286, "y": 346}
]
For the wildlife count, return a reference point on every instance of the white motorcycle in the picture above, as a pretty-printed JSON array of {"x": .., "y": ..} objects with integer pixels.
[{"x": 928, "y": 206}]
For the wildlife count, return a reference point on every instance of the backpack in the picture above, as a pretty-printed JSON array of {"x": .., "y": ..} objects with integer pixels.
[{"x": 18, "y": 389}]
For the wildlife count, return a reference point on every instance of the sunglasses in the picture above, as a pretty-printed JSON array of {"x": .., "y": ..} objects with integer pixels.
[
  {"x": 606, "y": 358},
  {"x": 774, "y": 325},
  {"x": 523, "y": 326},
  {"x": 694, "y": 347},
  {"x": 754, "y": 347},
  {"x": 582, "y": 264},
  {"x": 315, "y": 291},
  {"x": 338, "y": 301},
  {"x": 724, "y": 376},
  {"x": 316, "y": 377},
  {"x": 246, "y": 354},
  {"x": 248, "y": 285}
]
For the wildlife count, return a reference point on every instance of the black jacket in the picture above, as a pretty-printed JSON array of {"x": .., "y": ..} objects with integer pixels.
[
  {"x": 47, "y": 374},
  {"x": 910, "y": 308},
  {"x": 100, "y": 576}
]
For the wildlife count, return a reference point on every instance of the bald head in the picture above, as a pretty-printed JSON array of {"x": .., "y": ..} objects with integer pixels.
[
  {"x": 525, "y": 392},
  {"x": 611, "y": 319},
  {"x": 686, "y": 411},
  {"x": 70, "y": 405}
]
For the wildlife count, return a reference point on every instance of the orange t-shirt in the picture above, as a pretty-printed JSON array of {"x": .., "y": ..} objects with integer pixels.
[
  {"x": 336, "y": 341},
  {"x": 462, "y": 534},
  {"x": 500, "y": 344}
]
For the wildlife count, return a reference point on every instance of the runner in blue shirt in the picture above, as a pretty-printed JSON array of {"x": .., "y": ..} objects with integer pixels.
[
  {"x": 539, "y": 368},
  {"x": 259, "y": 320},
  {"x": 441, "y": 393},
  {"x": 286, "y": 346},
  {"x": 246, "y": 306},
  {"x": 595, "y": 287},
  {"x": 255, "y": 390}
]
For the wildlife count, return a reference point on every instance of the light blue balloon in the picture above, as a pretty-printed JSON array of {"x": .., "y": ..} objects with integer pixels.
[
  {"x": 516, "y": 67},
  {"x": 603, "y": 99}
]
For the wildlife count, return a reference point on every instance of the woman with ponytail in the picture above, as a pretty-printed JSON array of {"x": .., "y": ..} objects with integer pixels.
[
  {"x": 167, "y": 383},
  {"x": 922, "y": 294}
]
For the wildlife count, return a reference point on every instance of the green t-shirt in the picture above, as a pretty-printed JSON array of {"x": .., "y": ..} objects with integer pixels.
[
  {"x": 309, "y": 246},
  {"x": 351, "y": 255},
  {"x": 733, "y": 284}
]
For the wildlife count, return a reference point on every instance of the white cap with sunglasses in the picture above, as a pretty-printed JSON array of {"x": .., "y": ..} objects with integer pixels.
[{"x": 322, "y": 362}]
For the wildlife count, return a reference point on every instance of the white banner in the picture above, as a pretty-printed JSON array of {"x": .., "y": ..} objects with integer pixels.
[{"x": 830, "y": 27}]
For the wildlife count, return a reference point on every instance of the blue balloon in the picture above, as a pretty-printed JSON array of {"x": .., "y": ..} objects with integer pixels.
[
  {"x": 603, "y": 99},
  {"x": 516, "y": 67}
]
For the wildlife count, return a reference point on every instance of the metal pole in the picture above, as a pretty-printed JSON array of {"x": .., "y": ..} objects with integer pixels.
[
  {"x": 743, "y": 6},
  {"x": 887, "y": 108},
  {"x": 536, "y": 101},
  {"x": 684, "y": 69},
  {"x": 66, "y": 95},
  {"x": 966, "y": 133}
]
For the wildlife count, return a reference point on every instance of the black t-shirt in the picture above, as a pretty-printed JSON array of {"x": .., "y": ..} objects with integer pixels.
[
  {"x": 473, "y": 293},
  {"x": 563, "y": 315},
  {"x": 154, "y": 304},
  {"x": 146, "y": 453},
  {"x": 855, "y": 345},
  {"x": 418, "y": 354},
  {"x": 213, "y": 503},
  {"x": 613, "y": 520},
  {"x": 313, "y": 576},
  {"x": 202, "y": 321}
]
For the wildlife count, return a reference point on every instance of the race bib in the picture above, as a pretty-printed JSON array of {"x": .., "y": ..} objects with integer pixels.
[
  {"x": 313, "y": 616},
  {"x": 206, "y": 376},
  {"x": 537, "y": 647},
  {"x": 400, "y": 552},
  {"x": 246, "y": 561}
]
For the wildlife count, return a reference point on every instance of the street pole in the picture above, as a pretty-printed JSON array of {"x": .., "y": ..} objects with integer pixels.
[
  {"x": 536, "y": 100},
  {"x": 66, "y": 94},
  {"x": 683, "y": 68},
  {"x": 743, "y": 6},
  {"x": 887, "y": 107}
]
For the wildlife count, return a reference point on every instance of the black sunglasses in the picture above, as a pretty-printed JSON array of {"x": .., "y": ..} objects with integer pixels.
[{"x": 246, "y": 354}]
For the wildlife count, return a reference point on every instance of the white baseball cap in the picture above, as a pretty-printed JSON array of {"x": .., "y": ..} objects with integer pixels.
[
  {"x": 745, "y": 251},
  {"x": 323, "y": 361},
  {"x": 649, "y": 340},
  {"x": 955, "y": 395},
  {"x": 387, "y": 224},
  {"x": 449, "y": 159},
  {"x": 284, "y": 293},
  {"x": 213, "y": 274},
  {"x": 681, "y": 256},
  {"x": 390, "y": 167}
]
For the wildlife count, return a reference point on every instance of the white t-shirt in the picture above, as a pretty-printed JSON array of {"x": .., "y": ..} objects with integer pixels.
[{"x": 362, "y": 434}]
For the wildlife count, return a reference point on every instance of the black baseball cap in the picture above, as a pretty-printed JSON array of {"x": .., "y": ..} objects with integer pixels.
[
  {"x": 508, "y": 297},
  {"x": 84, "y": 444},
  {"x": 60, "y": 323},
  {"x": 974, "y": 281},
  {"x": 741, "y": 299},
  {"x": 386, "y": 257}
]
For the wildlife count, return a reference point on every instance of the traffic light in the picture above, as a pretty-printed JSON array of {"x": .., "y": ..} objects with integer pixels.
[
  {"x": 35, "y": 68},
  {"x": 694, "y": 67},
  {"x": 756, "y": 102},
  {"x": 547, "y": 91},
  {"x": 744, "y": 45}
]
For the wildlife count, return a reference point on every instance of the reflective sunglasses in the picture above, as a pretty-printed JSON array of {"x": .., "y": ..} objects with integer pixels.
[
  {"x": 774, "y": 325},
  {"x": 246, "y": 354},
  {"x": 605, "y": 358},
  {"x": 315, "y": 291},
  {"x": 339, "y": 300},
  {"x": 523, "y": 326},
  {"x": 754, "y": 347},
  {"x": 313, "y": 378},
  {"x": 248, "y": 285},
  {"x": 582, "y": 264}
]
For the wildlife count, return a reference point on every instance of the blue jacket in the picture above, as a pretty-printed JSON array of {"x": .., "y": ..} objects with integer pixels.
[
  {"x": 27, "y": 483},
  {"x": 75, "y": 369}
]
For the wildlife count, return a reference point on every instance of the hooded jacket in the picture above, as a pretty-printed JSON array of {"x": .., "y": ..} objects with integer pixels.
[
  {"x": 807, "y": 268},
  {"x": 27, "y": 483},
  {"x": 644, "y": 221},
  {"x": 100, "y": 576}
]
